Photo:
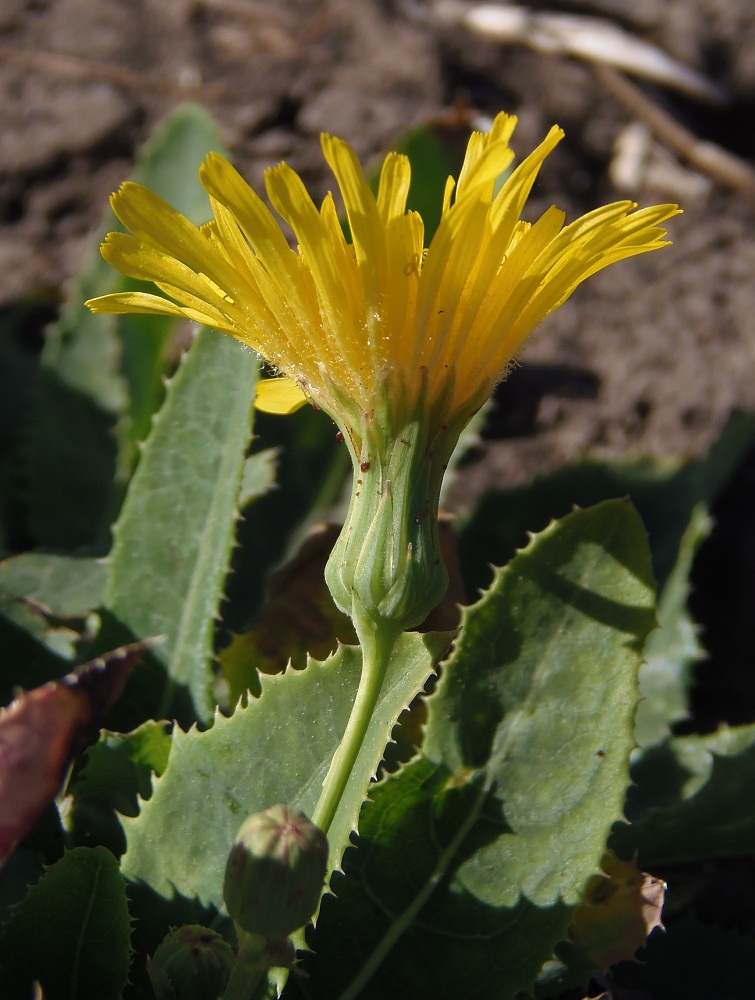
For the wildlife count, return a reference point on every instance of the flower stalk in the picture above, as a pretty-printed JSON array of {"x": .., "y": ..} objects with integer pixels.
[{"x": 377, "y": 642}]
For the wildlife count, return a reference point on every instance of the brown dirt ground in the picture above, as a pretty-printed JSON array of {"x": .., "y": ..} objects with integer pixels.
[{"x": 651, "y": 356}]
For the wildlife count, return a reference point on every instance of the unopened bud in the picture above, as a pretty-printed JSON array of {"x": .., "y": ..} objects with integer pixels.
[
  {"x": 191, "y": 963},
  {"x": 275, "y": 872}
]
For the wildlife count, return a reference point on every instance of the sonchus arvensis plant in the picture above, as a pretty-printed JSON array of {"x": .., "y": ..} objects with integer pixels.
[{"x": 398, "y": 342}]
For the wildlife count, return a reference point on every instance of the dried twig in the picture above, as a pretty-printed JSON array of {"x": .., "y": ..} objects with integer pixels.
[
  {"x": 591, "y": 39},
  {"x": 707, "y": 157}
]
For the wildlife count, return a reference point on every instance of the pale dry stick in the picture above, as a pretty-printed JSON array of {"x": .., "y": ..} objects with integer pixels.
[
  {"x": 589, "y": 39},
  {"x": 718, "y": 163}
]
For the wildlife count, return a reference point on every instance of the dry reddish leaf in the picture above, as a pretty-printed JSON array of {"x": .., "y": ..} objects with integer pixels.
[
  {"x": 297, "y": 618},
  {"x": 620, "y": 910},
  {"x": 43, "y": 729}
]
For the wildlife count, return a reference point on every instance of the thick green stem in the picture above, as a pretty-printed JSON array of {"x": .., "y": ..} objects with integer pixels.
[
  {"x": 249, "y": 968},
  {"x": 377, "y": 642}
]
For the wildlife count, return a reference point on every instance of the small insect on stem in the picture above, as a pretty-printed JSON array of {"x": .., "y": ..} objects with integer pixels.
[{"x": 364, "y": 466}]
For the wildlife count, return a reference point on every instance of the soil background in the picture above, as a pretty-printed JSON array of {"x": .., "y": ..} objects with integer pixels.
[{"x": 650, "y": 357}]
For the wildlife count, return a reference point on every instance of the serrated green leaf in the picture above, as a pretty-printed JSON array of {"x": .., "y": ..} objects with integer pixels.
[
  {"x": 97, "y": 387},
  {"x": 412, "y": 835},
  {"x": 174, "y": 536},
  {"x": 673, "y": 648},
  {"x": 71, "y": 932},
  {"x": 119, "y": 766},
  {"x": 67, "y": 586},
  {"x": 258, "y": 477},
  {"x": 665, "y": 492},
  {"x": 50, "y": 597},
  {"x": 524, "y": 770},
  {"x": 115, "y": 773},
  {"x": 692, "y": 799},
  {"x": 277, "y": 749}
]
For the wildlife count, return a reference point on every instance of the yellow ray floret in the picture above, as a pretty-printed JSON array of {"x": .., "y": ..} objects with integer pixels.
[{"x": 339, "y": 317}]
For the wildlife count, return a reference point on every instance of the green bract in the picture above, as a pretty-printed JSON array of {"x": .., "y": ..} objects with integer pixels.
[
  {"x": 192, "y": 963},
  {"x": 275, "y": 872}
]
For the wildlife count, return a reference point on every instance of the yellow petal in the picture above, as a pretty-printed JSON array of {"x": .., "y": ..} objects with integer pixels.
[
  {"x": 487, "y": 156},
  {"x": 143, "y": 302},
  {"x": 278, "y": 395},
  {"x": 395, "y": 178}
]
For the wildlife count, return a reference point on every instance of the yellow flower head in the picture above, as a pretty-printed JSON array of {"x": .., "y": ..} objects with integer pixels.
[
  {"x": 377, "y": 330},
  {"x": 337, "y": 316}
]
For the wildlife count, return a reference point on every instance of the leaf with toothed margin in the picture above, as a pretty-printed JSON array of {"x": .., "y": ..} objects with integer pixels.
[
  {"x": 470, "y": 861},
  {"x": 673, "y": 648},
  {"x": 65, "y": 586},
  {"x": 174, "y": 536},
  {"x": 100, "y": 376},
  {"x": 71, "y": 932},
  {"x": 665, "y": 492},
  {"x": 50, "y": 597},
  {"x": 692, "y": 799},
  {"x": 277, "y": 749}
]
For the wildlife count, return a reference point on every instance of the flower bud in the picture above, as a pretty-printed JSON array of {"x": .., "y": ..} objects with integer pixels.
[
  {"x": 191, "y": 963},
  {"x": 275, "y": 872}
]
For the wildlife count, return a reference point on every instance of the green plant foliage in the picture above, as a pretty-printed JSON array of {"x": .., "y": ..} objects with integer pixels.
[
  {"x": 32, "y": 620},
  {"x": 116, "y": 772},
  {"x": 692, "y": 799},
  {"x": 673, "y": 648},
  {"x": 470, "y": 861},
  {"x": 258, "y": 477},
  {"x": 277, "y": 749},
  {"x": 174, "y": 536},
  {"x": 71, "y": 932},
  {"x": 67, "y": 586},
  {"x": 99, "y": 378},
  {"x": 665, "y": 492},
  {"x": 120, "y": 767}
]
